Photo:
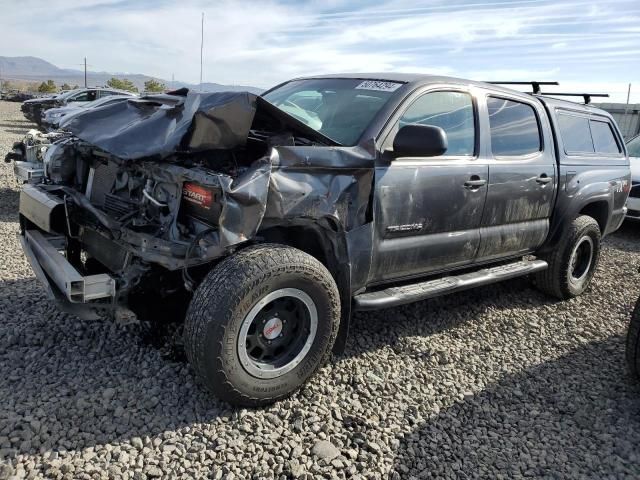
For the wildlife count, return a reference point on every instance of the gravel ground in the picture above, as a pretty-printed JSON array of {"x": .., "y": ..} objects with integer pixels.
[{"x": 500, "y": 382}]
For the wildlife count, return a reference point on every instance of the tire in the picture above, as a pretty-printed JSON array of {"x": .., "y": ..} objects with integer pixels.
[
  {"x": 565, "y": 279},
  {"x": 633, "y": 343},
  {"x": 270, "y": 296}
]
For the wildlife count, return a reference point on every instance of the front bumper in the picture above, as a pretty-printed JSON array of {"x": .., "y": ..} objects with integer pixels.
[
  {"x": 43, "y": 253},
  {"x": 86, "y": 311},
  {"x": 42, "y": 245}
]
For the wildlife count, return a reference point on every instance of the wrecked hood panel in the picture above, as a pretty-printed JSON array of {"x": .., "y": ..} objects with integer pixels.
[{"x": 156, "y": 127}]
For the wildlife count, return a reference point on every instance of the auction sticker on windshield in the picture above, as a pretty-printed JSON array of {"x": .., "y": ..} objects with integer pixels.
[{"x": 379, "y": 86}]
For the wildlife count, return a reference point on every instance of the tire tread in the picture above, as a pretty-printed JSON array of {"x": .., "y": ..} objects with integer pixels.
[
  {"x": 554, "y": 280},
  {"x": 221, "y": 292}
]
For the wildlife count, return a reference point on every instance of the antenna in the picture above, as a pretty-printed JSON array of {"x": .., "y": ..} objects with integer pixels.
[
  {"x": 201, "y": 48},
  {"x": 534, "y": 84}
]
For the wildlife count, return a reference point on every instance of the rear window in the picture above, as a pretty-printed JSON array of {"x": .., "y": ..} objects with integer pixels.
[
  {"x": 514, "y": 128},
  {"x": 603, "y": 139},
  {"x": 583, "y": 135}
]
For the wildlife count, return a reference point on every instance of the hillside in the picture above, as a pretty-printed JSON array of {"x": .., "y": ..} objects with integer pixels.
[{"x": 34, "y": 69}]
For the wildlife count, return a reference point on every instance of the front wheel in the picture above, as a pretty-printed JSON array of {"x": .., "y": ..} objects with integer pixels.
[
  {"x": 573, "y": 263},
  {"x": 261, "y": 323}
]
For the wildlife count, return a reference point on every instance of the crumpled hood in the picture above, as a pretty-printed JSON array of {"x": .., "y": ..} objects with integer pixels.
[{"x": 158, "y": 126}]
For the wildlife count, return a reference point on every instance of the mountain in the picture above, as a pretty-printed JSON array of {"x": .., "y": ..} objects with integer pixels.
[
  {"x": 28, "y": 66},
  {"x": 34, "y": 69}
]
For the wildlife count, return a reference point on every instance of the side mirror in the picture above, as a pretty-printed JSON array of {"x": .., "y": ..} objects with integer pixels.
[{"x": 420, "y": 141}]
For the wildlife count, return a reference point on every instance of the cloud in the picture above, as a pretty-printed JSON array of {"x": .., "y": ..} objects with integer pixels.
[{"x": 265, "y": 42}]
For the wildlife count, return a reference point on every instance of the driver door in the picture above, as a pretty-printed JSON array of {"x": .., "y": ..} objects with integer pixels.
[{"x": 428, "y": 210}]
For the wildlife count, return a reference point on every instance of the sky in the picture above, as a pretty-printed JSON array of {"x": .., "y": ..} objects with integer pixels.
[{"x": 585, "y": 45}]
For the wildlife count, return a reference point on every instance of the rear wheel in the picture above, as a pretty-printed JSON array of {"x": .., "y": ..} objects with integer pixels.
[
  {"x": 261, "y": 323},
  {"x": 573, "y": 263}
]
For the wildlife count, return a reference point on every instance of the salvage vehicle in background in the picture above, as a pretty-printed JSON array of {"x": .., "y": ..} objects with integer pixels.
[
  {"x": 34, "y": 108},
  {"x": 27, "y": 155},
  {"x": 260, "y": 223},
  {"x": 54, "y": 118},
  {"x": 633, "y": 203}
]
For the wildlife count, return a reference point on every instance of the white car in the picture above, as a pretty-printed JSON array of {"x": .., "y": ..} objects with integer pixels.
[{"x": 633, "y": 203}]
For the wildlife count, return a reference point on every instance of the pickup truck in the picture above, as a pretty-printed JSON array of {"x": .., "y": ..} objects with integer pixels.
[{"x": 260, "y": 223}]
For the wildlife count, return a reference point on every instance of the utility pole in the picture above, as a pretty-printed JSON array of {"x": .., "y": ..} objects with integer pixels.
[
  {"x": 201, "y": 48},
  {"x": 85, "y": 72},
  {"x": 628, "y": 98}
]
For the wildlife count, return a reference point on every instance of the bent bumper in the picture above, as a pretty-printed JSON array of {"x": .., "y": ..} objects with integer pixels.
[
  {"x": 85, "y": 311},
  {"x": 53, "y": 269}
]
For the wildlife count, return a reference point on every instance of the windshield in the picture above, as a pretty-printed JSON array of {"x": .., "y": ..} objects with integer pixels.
[
  {"x": 339, "y": 108},
  {"x": 634, "y": 147}
]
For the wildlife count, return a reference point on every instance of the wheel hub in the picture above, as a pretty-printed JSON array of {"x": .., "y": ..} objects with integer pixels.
[
  {"x": 581, "y": 259},
  {"x": 277, "y": 333},
  {"x": 272, "y": 329}
]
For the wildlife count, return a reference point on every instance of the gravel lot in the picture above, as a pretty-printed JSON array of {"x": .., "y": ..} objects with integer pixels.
[{"x": 500, "y": 382}]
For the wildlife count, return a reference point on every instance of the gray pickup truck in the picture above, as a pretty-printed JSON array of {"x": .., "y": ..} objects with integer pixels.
[{"x": 259, "y": 223}]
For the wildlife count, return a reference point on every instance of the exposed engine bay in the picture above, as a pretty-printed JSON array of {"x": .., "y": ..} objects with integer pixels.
[{"x": 153, "y": 187}]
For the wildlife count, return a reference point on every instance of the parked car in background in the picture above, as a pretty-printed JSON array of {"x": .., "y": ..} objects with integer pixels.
[
  {"x": 17, "y": 96},
  {"x": 633, "y": 203},
  {"x": 258, "y": 223},
  {"x": 54, "y": 117},
  {"x": 34, "y": 108}
]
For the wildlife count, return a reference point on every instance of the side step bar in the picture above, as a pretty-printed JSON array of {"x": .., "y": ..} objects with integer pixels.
[
  {"x": 394, "y": 296},
  {"x": 45, "y": 257}
]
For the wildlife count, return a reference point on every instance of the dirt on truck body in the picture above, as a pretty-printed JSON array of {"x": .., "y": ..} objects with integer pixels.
[{"x": 260, "y": 222}]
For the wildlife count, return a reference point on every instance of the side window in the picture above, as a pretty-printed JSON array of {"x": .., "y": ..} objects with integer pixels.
[
  {"x": 603, "y": 139},
  {"x": 92, "y": 95},
  {"x": 451, "y": 111},
  {"x": 634, "y": 147},
  {"x": 80, "y": 97},
  {"x": 514, "y": 128},
  {"x": 575, "y": 133}
]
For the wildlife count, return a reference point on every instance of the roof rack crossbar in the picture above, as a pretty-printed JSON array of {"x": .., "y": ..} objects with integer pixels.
[
  {"x": 586, "y": 96},
  {"x": 534, "y": 84}
]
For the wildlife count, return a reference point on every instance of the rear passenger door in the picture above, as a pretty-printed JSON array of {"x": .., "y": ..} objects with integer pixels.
[{"x": 522, "y": 177}]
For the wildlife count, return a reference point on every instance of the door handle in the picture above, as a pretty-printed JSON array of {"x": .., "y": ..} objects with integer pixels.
[
  {"x": 543, "y": 179},
  {"x": 475, "y": 182}
]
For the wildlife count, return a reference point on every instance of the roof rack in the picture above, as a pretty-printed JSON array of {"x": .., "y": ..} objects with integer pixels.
[
  {"x": 586, "y": 96},
  {"x": 534, "y": 84}
]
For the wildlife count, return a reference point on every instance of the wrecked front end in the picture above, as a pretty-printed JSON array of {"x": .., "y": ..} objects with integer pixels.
[
  {"x": 139, "y": 200},
  {"x": 141, "y": 192}
]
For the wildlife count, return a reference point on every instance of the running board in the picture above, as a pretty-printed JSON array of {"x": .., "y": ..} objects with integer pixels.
[{"x": 394, "y": 296}]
